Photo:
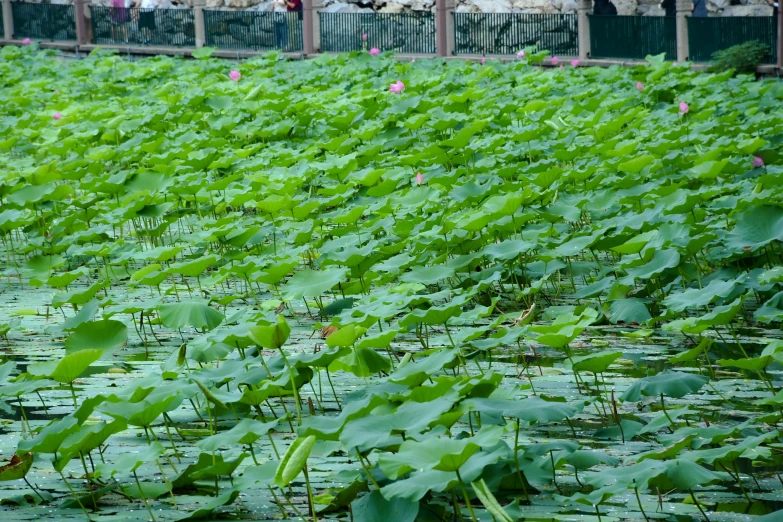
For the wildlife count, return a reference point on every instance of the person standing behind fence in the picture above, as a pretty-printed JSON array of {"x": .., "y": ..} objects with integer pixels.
[
  {"x": 281, "y": 21},
  {"x": 699, "y": 9},
  {"x": 146, "y": 18},
  {"x": 670, "y": 6},
  {"x": 775, "y": 7},
  {"x": 604, "y": 8},
  {"x": 119, "y": 19}
]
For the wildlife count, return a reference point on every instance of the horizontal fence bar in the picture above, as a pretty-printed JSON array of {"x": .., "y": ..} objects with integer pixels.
[
  {"x": 632, "y": 37},
  {"x": 164, "y": 27},
  {"x": 709, "y": 35},
  {"x": 410, "y": 33},
  {"x": 508, "y": 33},
  {"x": 254, "y": 30},
  {"x": 43, "y": 21}
]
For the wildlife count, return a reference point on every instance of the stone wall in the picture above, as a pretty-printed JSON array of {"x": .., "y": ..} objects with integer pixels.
[{"x": 624, "y": 7}]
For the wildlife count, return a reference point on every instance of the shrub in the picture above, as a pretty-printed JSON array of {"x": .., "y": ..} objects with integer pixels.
[{"x": 743, "y": 58}]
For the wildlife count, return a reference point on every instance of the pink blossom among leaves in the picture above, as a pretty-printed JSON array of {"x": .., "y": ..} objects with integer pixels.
[{"x": 397, "y": 87}]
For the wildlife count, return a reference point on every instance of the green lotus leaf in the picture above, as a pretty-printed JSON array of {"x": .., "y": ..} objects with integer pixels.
[
  {"x": 294, "y": 460},
  {"x": 107, "y": 336},
  {"x": 669, "y": 383},
  {"x": 197, "y": 314}
]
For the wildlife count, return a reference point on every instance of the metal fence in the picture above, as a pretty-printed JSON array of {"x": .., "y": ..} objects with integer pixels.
[
  {"x": 508, "y": 33},
  {"x": 166, "y": 27},
  {"x": 43, "y": 21},
  {"x": 632, "y": 37},
  {"x": 412, "y": 32},
  {"x": 2, "y": 26},
  {"x": 254, "y": 30},
  {"x": 708, "y": 35}
]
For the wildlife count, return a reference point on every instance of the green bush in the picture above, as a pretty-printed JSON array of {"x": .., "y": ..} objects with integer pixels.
[{"x": 743, "y": 58}]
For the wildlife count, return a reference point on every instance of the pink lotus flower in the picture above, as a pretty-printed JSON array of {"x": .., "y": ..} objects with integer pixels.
[
  {"x": 758, "y": 162},
  {"x": 574, "y": 63},
  {"x": 364, "y": 37},
  {"x": 555, "y": 60},
  {"x": 684, "y": 108},
  {"x": 483, "y": 61},
  {"x": 235, "y": 75},
  {"x": 397, "y": 87},
  {"x": 521, "y": 54},
  {"x": 375, "y": 51},
  {"x": 57, "y": 116},
  {"x": 639, "y": 86},
  {"x": 419, "y": 178},
  {"x": 26, "y": 41}
]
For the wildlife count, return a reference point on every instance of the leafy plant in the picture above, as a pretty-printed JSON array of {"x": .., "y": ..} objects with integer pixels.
[{"x": 742, "y": 58}]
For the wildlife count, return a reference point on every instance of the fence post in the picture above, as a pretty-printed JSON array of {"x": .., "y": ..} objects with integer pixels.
[
  {"x": 308, "y": 38},
  {"x": 449, "y": 7},
  {"x": 8, "y": 20},
  {"x": 81, "y": 21},
  {"x": 317, "y": 6},
  {"x": 441, "y": 28},
  {"x": 199, "y": 27},
  {"x": 683, "y": 12},
  {"x": 583, "y": 28},
  {"x": 780, "y": 38}
]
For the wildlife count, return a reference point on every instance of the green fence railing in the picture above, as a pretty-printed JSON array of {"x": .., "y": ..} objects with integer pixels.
[
  {"x": 253, "y": 30},
  {"x": 167, "y": 27},
  {"x": 412, "y": 32},
  {"x": 43, "y": 21},
  {"x": 708, "y": 35},
  {"x": 632, "y": 37},
  {"x": 508, "y": 33}
]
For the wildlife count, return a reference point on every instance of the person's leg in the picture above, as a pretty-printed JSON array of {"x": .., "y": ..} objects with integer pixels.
[
  {"x": 280, "y": 35},
  {"x": 285, "y": 31}
]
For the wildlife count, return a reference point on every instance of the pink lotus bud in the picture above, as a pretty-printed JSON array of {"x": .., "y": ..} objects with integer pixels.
[
  {"x": 419, "y": 179},
  {"x": 397, "y": 87},
  {"x": 57, "y": 116},
  {"x": 574, "y": 63},
  {"x": 26, "y": 41},
  {"x": 555, "y": 60},
  {"x": 639, "y": 86},
  {"x": 235, "y": 75},
  {"x": 375, "y": 51},
  {"x": 483, "y": 61},
  {"x": 364, "y": 37},
  {"x": 521, "y": 54},
  {"x": 758, "y": 162},
  {"x": 684, "y": 108}
]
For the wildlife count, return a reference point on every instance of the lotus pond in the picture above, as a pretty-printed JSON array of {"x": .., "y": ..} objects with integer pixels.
[{"x": 279, "y": 290}]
